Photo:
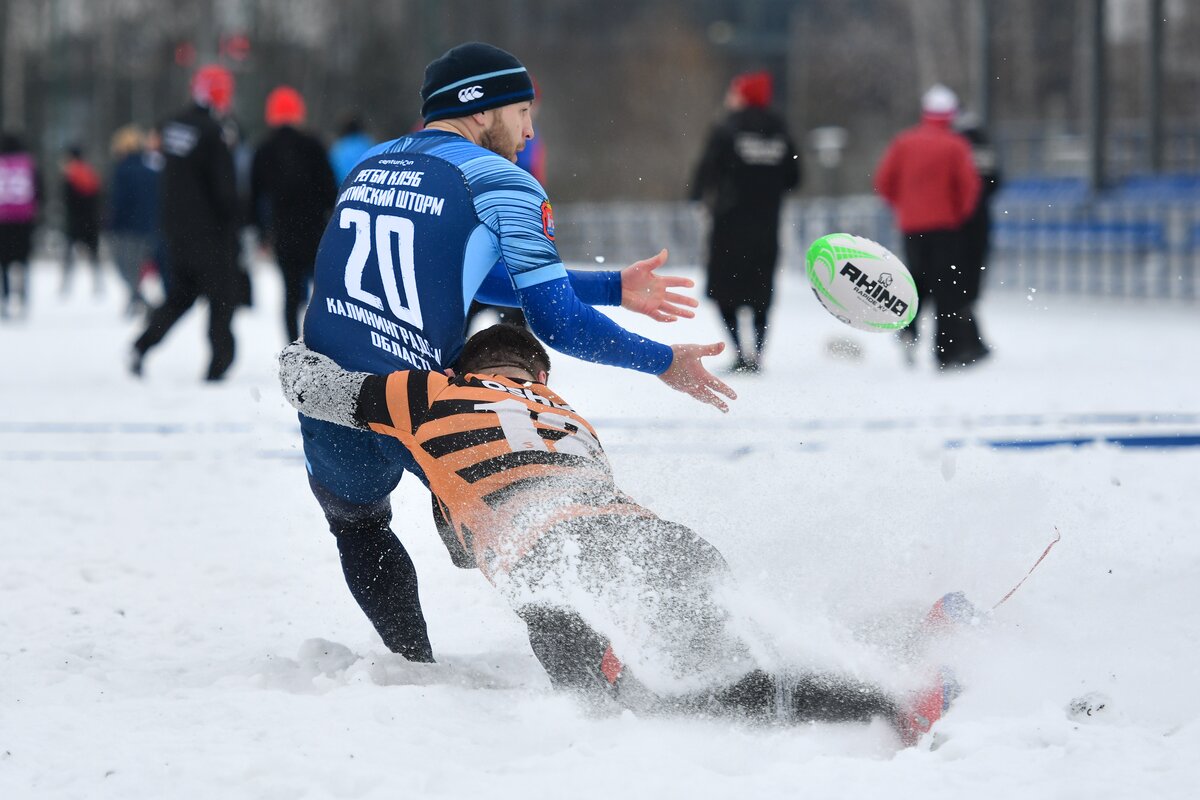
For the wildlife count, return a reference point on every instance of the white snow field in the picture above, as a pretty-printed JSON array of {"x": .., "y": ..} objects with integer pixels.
[{"x": 175, "y": 623}]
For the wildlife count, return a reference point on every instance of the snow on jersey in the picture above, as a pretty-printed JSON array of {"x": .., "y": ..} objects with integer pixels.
[
  {"x": 417, "y": 226},
  {"x": 507, "y": 459}
]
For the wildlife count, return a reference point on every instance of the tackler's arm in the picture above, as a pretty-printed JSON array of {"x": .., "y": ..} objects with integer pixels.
[{"x": 317, "y": 387}]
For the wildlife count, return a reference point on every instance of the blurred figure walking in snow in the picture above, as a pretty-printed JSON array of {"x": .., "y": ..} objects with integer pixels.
[
  {"x": 291, "y": 196},
  {"x": 199, "y": 217},
  {"x": 132, "y": 212},
  {"x": 20, "y": 203},
  {"x": 748, "y": 164},
  {"x": 81, "y": 216},
  {"x": 928, "y": 177}
]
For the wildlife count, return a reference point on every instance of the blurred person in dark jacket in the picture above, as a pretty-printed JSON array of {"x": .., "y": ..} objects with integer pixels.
[
  {"x": 749, "y": 162},
  {"x": 81, "y": 215},
  {"x": 132, "y": 211},
  {"x": 977, "y": 232},
  {"x": 199, "y": 219},
  {"x": 291, "y": 197},
  {"x": 929, "y": 179},
  {"x": 20, "y": 205}
]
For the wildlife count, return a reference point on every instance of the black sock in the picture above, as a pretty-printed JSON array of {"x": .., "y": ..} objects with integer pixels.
[
  {"x": 383, "y": 580},
  {"x": 379, "y": 572}
]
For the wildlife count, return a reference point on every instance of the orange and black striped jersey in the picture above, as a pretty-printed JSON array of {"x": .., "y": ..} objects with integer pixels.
[{"x": 507, "y": 459}]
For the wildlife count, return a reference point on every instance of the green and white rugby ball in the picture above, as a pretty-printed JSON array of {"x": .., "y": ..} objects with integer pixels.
[{"x": 861, "y": 282}]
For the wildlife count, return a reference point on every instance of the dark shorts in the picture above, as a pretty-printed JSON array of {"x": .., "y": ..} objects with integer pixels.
[{"x": 359, "y": 467}]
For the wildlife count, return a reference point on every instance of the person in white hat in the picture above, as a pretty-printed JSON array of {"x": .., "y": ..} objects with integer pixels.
[{"x": 929, "y": 179}]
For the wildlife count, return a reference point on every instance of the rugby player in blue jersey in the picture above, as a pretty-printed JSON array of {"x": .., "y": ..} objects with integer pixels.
[{"x": 423, "y": 225}]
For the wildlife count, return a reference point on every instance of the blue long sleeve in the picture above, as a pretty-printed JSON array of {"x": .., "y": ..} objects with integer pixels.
[
  {"x": 566, "y": 323},
  {"x": 594, "y": 287}
]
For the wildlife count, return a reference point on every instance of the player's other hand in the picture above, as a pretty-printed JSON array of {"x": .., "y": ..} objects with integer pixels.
[
  {"x": 688, "y": 375},
  {"x": 651, "y": 294}
]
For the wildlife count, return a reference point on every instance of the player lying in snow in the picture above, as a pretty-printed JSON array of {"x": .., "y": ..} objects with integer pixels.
[{"x": 523, "y": 491}]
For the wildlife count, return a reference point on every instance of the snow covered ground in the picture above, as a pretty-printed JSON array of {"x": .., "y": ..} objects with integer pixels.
[{"x": 175, "y": 623}]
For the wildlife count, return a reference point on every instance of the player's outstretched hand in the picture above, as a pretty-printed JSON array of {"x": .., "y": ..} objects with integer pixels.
[
  {"x": 688, "y": 375},
  {"x": 647, "y": 293}
]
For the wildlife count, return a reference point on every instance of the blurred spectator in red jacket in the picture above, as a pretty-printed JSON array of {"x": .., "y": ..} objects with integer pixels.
[{"x": 928, "y": 177}]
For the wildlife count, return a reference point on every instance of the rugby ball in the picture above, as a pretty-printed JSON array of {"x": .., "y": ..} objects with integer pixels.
[{"x": 861, "y": 283}]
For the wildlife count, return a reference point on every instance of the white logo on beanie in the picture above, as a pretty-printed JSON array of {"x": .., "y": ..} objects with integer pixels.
[{"x": 470, "y": 93}]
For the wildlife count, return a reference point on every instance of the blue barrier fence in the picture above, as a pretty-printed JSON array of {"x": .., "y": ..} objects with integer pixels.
[{"x": 1138, "y": 240}]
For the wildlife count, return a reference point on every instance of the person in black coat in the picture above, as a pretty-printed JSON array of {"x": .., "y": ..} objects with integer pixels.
[
  {"x": 199, "y": 221},
  {"x": 977, "y": 230},
  {"x": 81, "y": 215},
  {"x": 292, "y": 192},
  {"x": 748, "y": 164}
]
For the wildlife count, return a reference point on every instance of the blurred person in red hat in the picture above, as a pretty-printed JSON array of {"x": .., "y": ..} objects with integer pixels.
[
  {"x": 928, "y": 177},
  {"x": 748, "y": 163},
  {"x": 285, "y": 106},
  {"x": 292, "y": 191},
  {"x": 199, "y": 221},
  {"x": 212, "y": 87},
  {"x": 753, "y": 89}
]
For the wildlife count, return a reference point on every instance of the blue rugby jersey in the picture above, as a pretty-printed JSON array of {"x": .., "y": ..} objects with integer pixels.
[{"x": 420, "y": 226}]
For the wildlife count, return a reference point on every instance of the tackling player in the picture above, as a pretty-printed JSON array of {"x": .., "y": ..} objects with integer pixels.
[
  {"x": 527, "y": 495},
  {"x": 423, "y": 225}
]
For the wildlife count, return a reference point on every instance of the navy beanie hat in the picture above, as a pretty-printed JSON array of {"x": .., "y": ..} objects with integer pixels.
[{"x": 470, "y": 78}]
